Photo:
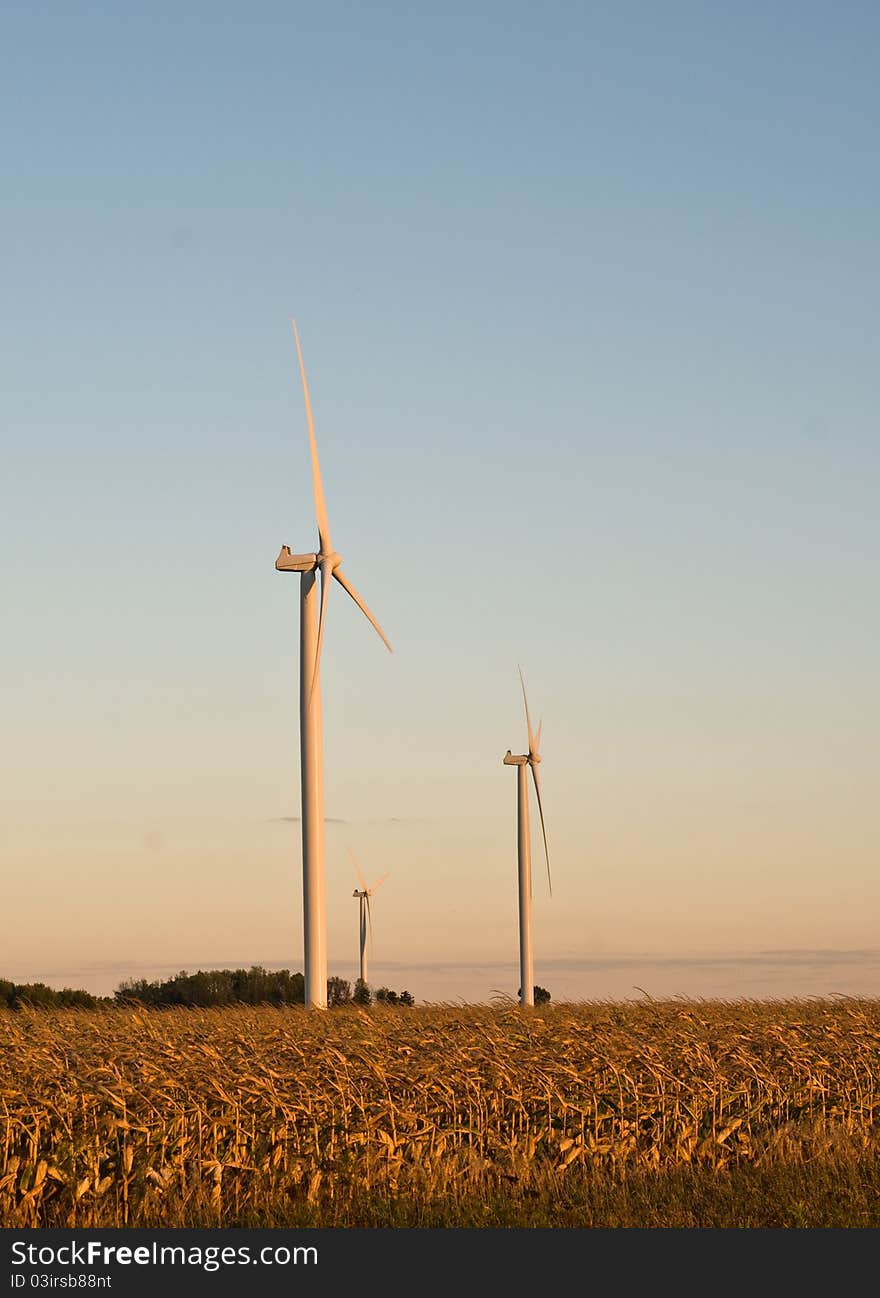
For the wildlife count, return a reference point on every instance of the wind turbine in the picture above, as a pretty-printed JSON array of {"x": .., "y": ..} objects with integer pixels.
[
  {"x": 365, "y": 919},
  {"x": 311, "y": 639},
  {"x": 529, "y": 759}
]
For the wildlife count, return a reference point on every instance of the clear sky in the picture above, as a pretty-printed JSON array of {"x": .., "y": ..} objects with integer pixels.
[{"x": 588, "y": 297}]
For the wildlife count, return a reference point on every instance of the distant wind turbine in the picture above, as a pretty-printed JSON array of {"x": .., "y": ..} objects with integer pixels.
[
  {"x": 311, "y": 639},
  {"x": 365, "y": 918},
  {"x": 530, "y": 759}
]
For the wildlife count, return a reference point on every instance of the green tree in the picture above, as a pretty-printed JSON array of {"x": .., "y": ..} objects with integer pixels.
[
  {"x": 540, "y": 994},
  {"x": 15, "y": 995},
  {"x": 254, "y": 986},
  {"x": 76, "y": 996},
  {"x": 35, "y": 994},
  {"x": 338, "y": 992}
]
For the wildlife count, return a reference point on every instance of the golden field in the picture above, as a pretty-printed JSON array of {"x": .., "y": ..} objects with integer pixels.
[{"x": 265, "y": 1116}]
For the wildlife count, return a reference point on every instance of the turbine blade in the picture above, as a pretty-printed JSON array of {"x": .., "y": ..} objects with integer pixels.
[
  {"x": 370, "y": 923},
  {"x": 532, "y": 748},
  {"x": 317, "y": 486},
  {"x": 361, "y": 880},
  {"x": 326, "y": 573},
  {"x": 346, "y": 585},
  {"x": 538, "y": 737},
  {"x": 543, "y": 830},
  {"x": 379, "y": 882}
]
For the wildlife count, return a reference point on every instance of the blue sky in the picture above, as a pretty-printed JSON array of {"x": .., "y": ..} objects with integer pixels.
[{"x": 588, "y": 302}]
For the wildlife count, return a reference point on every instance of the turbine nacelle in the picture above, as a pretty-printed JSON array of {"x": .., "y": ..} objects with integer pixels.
[{"x": 287, "y": 562}]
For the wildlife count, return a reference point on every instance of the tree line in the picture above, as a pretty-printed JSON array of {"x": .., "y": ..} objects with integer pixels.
[
  {"x": 254, "y": 986},
  {"x": 16, "y": 995}
]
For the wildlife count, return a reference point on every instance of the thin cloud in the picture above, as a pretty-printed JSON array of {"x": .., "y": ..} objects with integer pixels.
[
  {"x": 297, "y": 820},
  {"x": 338, "y": 820},
  {"x": 399, "y": 820}
]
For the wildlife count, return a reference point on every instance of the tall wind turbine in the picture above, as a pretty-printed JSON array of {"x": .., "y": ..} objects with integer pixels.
[
  {"x": 365, "y": 919},
  {"x": 529, "y": 759},
  {"x": 311, "y": 638}
]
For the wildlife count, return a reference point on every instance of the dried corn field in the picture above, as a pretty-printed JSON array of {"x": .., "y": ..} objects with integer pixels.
[{"x": 249, "y": 1116}]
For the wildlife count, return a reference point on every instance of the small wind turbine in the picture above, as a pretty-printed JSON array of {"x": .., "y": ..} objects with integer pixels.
[
  {"x": 365, "y": 918},
  {"x": 311, "y": 637},
  {"x": 530, "y": 759}
]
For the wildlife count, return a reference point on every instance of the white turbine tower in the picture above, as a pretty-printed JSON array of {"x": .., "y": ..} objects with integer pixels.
[
  {"x": 311, "y": 638},
  {"x": 530, "y": 759},
  {"x": 365, "y": 918}
]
